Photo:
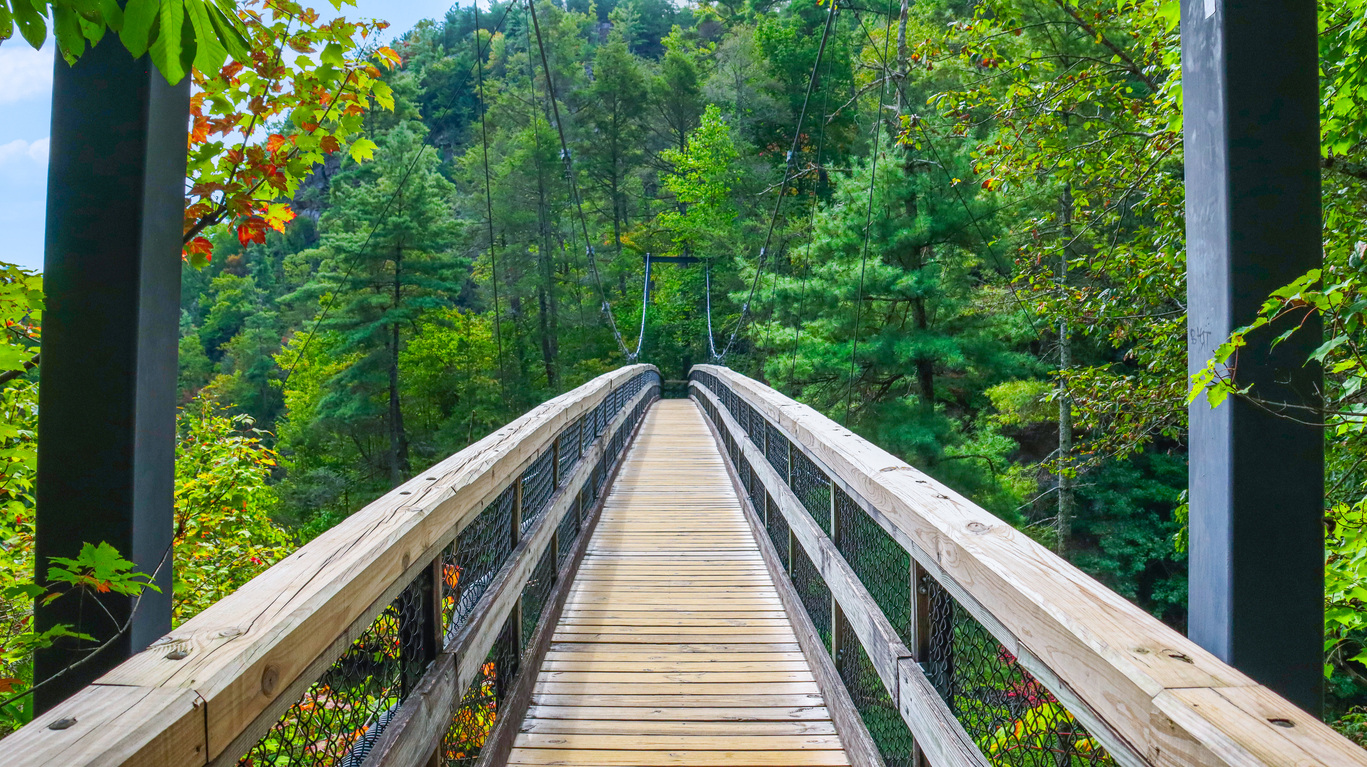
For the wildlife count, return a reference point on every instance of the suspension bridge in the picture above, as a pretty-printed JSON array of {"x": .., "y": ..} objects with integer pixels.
[{"x": 728, "y": 579}]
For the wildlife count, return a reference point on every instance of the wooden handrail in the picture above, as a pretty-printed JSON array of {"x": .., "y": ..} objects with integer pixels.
[
  {"x": 194, "y": 695},
  {"x": 1154, "y": 694}
]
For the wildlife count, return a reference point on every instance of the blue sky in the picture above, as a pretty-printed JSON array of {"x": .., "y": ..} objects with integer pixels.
[{"x": 25, "y": 118}]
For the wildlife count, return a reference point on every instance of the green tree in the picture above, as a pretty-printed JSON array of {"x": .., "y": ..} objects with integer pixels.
[{"x": 389, "y": 233}]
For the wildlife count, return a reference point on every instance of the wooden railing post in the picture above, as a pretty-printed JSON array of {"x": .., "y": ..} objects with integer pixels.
[
  {"x": 919, "y": 633},
  {"x": 837, "y": 615},
  {"x": 516, "y": 533},
  {"x": 419, "y": 626}
]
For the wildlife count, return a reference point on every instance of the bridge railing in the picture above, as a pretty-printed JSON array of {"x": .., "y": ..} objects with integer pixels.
[
  {"x": 394, "y": 638},
  {"x": 958, "y": 639}
]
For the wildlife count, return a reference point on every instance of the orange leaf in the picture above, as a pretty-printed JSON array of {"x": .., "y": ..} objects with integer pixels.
[
  {"x": 274, "y": 142},
  {"x": 330, "y": 144},
  {"x": 391, "y": 54},
  {"x": 252, "y": 229},
  {"x": 7, "y": 685},
  {"x": 200, "y": 246}
]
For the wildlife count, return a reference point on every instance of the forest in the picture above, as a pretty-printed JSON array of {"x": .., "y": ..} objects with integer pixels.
[{"x": 961, "y": 235}]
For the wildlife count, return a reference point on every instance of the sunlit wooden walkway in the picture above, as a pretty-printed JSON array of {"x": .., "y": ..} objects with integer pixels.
[{"x": 673, "y": 648}]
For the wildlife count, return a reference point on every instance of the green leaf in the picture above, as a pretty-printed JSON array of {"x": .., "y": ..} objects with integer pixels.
[
  {"x": 67, "y": 29},
  {"x": 138, "y": 17},
  {"x": 333, "y": 55},
  {"x": 363, "y": 149},
  {"x": 32, "y": 25},
  {"x": 209, "y": 51},
  {"x": 167, "y": 49}
]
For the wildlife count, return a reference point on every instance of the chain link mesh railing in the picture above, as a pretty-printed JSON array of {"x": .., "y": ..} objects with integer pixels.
[
  {"x": 876, "y": 707},
  {"x": 812, "y": 488},
  {"x": 471, "y": 562},
  {"x": 536, "y": 591},
  {"x": 1008, "y": 713},
  {"x": 538, "y": 484},
  {"x": 340, "y": 716},
  {"x": 811, "y": 588}
]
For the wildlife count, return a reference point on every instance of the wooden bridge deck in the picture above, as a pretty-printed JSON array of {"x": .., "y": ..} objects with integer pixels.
[{"x": 674, "y": 648}]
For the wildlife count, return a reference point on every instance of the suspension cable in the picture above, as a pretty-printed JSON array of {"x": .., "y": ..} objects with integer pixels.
[
  {"x": 645, "y": 302},
  {"x": 811, "y": 228},
  {"x": 868, "y": 226},
  {"x": 783, "y": 187},
  {"x": 574, "y": 189},
  {"x": 707, "y": 291},
  {"x": 488, "y": 196}
]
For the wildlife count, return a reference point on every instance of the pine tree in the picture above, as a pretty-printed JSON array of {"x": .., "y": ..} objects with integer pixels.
[
  {"x": 389, "y": 233},
  {"x": 900, "y": 336}
]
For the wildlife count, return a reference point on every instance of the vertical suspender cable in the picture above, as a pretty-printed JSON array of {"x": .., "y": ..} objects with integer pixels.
[
  {"x": 488, "y": 201},
  {"x": 783, "y": 186},
  {"x": 574, "y": 187},
  {"x": 868, "y": 226}
]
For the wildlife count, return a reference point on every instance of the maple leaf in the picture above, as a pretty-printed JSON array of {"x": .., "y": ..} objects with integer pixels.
[
  {"x": 200, "y": 246},
  {"x": 330, "y": 144},
  {"x": 274, "y": 142},
  {"x": 252, "y": 229},
  {"x": 390, "y": 54}
]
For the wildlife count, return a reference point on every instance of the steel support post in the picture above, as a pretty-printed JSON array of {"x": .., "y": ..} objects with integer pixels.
[
  {"x": 107, "y": 397},
  {"x": 1250, "y": 80}
]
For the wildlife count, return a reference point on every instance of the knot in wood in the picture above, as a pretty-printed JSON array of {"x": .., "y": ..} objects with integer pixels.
[{"x": 270, "y": 677}]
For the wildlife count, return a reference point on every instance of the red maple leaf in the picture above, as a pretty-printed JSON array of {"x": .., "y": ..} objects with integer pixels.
[{"x": 252, "y": 229}]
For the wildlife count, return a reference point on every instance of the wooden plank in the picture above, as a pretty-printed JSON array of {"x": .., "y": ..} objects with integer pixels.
[
  {"x": 111, "y": 725},
  {"x": 674, "y": 646},
  {"x": 544, "y": 756},
  {"x": 817, "y": 714},
  {"x": 566, "y": 726},
  {"x": 668, "y": 742}
]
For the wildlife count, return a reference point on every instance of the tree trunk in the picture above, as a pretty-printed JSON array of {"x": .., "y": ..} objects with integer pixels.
[
  {"x": 398, "y": 438},
  {"x": 1063, "y": 527}
]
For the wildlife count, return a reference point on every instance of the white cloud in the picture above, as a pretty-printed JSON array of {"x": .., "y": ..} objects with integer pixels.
[
  {"x": 21, "y": 150},
  {"x": 24, "y": 72}
]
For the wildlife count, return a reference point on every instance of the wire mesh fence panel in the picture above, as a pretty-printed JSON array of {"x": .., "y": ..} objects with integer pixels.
[
  {"x": 566, "y": 536},
  {"x": 811, "y": 588},
  {"x": 471, "y": 562},
  {"x": 537, "y": 487},
  {"x": 474, "y": 717},
  {"x": 472, "y": 720},
  {"x": 536, "y": 592},
  {"x": 883, "y": 566},
  {"x": 776, "y": 450},
  {"x": 341, "y": 715},
  {"x": 813, "y": 489},
  {"x": 568, "y": 447},
  {"x": 778, "y": 533},
  {"x": 599, "y": 477},
  {"x": 876, "y": 707},
  {"x": 1015, "y": 721}
]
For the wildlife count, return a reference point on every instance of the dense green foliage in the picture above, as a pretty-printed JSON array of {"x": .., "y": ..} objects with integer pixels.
[{"x": 974, "y": 257}]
